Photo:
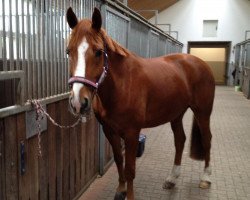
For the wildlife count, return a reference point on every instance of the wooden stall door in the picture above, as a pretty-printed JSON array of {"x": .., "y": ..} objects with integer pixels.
[{"x": 215, "y": 58}]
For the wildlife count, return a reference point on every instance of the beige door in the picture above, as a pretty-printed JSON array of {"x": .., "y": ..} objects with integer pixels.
[{"x": 215, "y": 58}]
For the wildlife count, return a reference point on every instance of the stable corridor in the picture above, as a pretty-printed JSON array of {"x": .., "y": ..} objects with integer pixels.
[{"x": 230, "y": 158}]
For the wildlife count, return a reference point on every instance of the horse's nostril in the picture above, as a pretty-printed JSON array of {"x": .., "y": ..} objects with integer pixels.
[{"x": 85, "y": 103}]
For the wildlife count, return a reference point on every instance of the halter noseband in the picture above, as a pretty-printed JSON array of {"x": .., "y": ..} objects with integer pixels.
[{"x": 83, "y": 80}]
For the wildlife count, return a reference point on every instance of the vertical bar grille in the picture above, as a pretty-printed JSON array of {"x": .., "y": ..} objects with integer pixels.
[{"x": 33, "y": 38}]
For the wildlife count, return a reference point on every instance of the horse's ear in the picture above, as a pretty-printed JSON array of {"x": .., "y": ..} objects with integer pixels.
[
  {"x": 96, "y": 19},
  {"x": 71, "y": 18}
]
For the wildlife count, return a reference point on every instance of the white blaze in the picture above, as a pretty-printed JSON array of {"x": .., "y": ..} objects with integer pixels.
[{"x": 80, "y": 71}]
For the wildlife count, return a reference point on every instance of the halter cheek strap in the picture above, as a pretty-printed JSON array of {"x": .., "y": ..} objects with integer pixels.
[{"x": 83, "y": 80}]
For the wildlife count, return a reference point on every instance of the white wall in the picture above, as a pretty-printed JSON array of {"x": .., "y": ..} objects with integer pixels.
[{"x": 186, "y": 17}]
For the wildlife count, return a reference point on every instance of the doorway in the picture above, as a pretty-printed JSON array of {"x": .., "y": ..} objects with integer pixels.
[{"x": 216, "y": 55}]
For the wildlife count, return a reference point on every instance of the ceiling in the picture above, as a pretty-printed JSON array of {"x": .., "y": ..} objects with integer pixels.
[{"x": 159, "y": 5}]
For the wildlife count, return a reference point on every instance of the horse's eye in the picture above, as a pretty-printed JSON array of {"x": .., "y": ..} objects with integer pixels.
[
  {"x": 67, "y": 51},
  {"x": 98, "y": 53}
]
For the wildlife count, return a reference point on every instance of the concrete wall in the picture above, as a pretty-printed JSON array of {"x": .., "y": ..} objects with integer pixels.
[
  {"x": 186, "y": 17},
  {"x": 215, "y": 58}
]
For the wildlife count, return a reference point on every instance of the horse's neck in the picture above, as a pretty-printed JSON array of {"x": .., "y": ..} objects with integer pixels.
[
  {"x": 118, "y": 71},
  {"x": 115, "y": 81}
]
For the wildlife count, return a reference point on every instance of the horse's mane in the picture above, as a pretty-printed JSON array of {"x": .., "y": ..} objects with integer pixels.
[{"x": 114, "y": 46}]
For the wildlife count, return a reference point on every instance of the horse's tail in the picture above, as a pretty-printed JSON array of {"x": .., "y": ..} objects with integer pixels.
[{"x": 197, "y": 151}]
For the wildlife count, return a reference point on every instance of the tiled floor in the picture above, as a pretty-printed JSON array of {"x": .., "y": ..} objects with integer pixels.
[{"x": 230, "y": 159}]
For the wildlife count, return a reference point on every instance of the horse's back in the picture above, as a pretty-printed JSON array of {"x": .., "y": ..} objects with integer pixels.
[
  {"x": 177, "y": 68},
  {"x": 199, "y": 78},
  {"x": 176, "y": 82}
]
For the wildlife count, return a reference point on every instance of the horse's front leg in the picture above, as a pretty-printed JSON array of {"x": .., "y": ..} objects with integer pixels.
[
  {"x": 115, "y": 141},
  {"x": 131, "y": 145}
]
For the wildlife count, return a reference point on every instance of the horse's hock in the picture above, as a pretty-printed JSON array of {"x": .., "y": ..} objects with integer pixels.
[{"x": 35, "y": 66}]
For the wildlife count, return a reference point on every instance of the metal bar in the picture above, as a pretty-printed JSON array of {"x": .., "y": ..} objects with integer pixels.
[
  {"x": 29, "y": 71},
  {"x": 11, "y": 56},
  {"x": 56, "y": 34},
  {"x": 24, "y": 64},
  {"x": 17, "y": 38},
  {"x": 64, "y": 27},
  {"x": 169, "y": 26},
  {"x": 5, "y": 75},
  {"x": 113, "y": 11},
  {"x": 47, "y": 47},
  {"x": 53, "y": 68},
  {"x": 50, "y": 56},
  {"x": 43, "y": 36},
  {"x": 138, "y": 17},
  {"x": 39, "y": 52},
  {"x": 12, "y": 110},
  {"x": 4, "y": 39},
  {"x": 125, "y": 2},
  {"x": 34, "y": 60},
  {"x": 60, "y": 28},
  {"x": 247, "y": 31}
]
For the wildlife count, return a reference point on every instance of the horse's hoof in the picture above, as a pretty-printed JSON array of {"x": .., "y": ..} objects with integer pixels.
[
  {"x": 168, "y": 185},
  {"x": 205, "y": 184},
  {"x": 120, "y": 196}
]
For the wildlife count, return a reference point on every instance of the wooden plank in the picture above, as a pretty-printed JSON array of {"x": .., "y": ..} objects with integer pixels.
[
  {"x": 97, "y": 152},
  {"x": 2, "y": 168},
  {"x": 32, "y": 162},
  {"x": 78, "y": 158},
  {"x": 73, "y": 137},
  {"x": 65, "y": 146},
  {"x": 59, "y": 154},
  {"x": 52, "y": 153},
  {"x": 87, "y": 158},
  {"x": 11, "y": 165},
  {"x": 83, "y": 155},
  {"x": 43, "y": 167},
  {"x": 24, "y": 180}
]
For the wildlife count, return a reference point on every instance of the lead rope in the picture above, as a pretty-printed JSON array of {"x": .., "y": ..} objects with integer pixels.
[{"x": 40, "y": 112}]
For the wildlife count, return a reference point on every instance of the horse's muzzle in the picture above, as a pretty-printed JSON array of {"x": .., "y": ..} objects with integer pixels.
[{"x": 81, "y": 107}]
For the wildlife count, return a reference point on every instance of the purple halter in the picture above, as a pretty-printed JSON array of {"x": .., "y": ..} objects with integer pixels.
[{"x": 83, "y": 80}]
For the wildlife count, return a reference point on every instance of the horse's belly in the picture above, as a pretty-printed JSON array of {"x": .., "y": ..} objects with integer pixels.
[{"x": 165, "y": 112}]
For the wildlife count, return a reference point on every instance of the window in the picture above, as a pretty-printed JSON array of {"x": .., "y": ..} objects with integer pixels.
[{"x": 210, "y": 28}]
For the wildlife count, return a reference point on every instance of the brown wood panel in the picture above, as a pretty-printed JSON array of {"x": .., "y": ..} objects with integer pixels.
[
  {"x": 43, "y": 163},
  {"x": 24, "y": 180},
  {"x": 92, "y": 149},
  {"x": 72, "y": 167},
  {"x": 52, "y": 153},
  {"x": 78, "y": 158},
  {"x": 65, "y": 150},
  {"x": 11, "y": 165},
  {"x": 83, "y": 154},
  {"x": 2, "y": 167},
  {"x": 70, "y": 157},
  {"x": 32, "y": 162},
  {"x": 59, "y": 153}
]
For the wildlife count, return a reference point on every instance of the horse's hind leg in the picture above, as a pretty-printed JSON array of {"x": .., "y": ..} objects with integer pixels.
[
  {"x": 179, "y": 140},
  {"x": 206, "y": 136},
  {"x": 201, "y": 144}
]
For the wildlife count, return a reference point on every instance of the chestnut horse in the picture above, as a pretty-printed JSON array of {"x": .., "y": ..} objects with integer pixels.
[{"x": 128, "y": 93}]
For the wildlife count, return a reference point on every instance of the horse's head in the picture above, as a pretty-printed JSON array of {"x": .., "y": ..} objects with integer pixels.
[{"x": 87, "y": 59}]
